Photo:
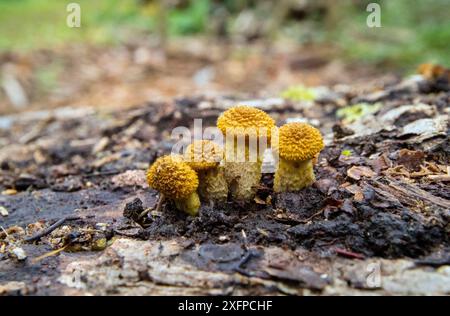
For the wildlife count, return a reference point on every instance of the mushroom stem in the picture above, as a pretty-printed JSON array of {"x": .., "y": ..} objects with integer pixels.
[
  {"x": 213, "y": 185},
  {"x": 243, "y": 177},
  {"x": 293, "y": 175},
  {"x": 189, "y": 205}
]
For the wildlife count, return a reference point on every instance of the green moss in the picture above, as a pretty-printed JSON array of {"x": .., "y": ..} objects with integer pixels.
[
  {"x": 355, "y": 112},
  {"x": 346, "y": 153},
  {"x": 299, "y": 93}
]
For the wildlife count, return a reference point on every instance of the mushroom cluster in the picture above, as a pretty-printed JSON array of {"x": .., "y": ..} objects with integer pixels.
[{"x": 209, "y": 173}]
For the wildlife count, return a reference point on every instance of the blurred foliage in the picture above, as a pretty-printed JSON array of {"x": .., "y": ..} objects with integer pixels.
[
  {"x": 29, "y": 24},
  {"x": 189, "y": 20},
  {"x": 413, "y": 31}
]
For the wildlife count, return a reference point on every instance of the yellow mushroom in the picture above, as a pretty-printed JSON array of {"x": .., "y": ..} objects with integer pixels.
[
  {"x": 297, "y": 146},
  {"x": 173, "y": 178},
  {"x": 204, "y": 156},
  {"x": 244, "y": 128}
]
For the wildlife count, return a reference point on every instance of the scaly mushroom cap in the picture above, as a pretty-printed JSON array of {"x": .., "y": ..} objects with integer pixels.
[
  {"x": 298, "y": 142},
  {"x": 203, "y": 155},
  {"x": 172, "y": 177},
  {"x": 244, "y": 118}
]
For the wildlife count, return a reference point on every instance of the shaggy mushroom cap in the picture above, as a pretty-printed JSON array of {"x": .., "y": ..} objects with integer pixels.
[
  {"x": 298, "y": 141},
  {"x": 244, "y": 118},
  {"x": 172, "y": 177},
  {"x": 203, "y": 155}
]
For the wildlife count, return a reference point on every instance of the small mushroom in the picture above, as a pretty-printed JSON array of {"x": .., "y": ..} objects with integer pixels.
[
  {"x": 298, "y": 145},
  {"x": 175, "y": 180},
  {"x": 204, "y": 156},
  {"x": 251, "y": 125}
]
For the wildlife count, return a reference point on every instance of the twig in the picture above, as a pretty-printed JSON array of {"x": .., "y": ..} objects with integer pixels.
[
  {"x": 4, "y": 230},
  {"x": 349, "y": 254},
  {"x": 311, "y": 217},
  {"x": 157, "y": 209},
  {"x": 104, "y": 173},
  {"x": 49, "y": 254},
  {"x": 51, "y": 228},
  {"x": 249, "y": 254},
  {"x": 433, "y": 262},
  {"x": 118, "y": 232},
  {"x": 244, "y": 236},
  {"x": 295, "y": 221},
  {"x": 246, "y": 258}
]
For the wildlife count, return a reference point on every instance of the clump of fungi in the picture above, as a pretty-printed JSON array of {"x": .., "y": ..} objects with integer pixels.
[
  {"x": 175, "y": 180},
  {"x": 244, "y": 128},
  {"x": 205, "y": 170},
  {"x": 204, "y": 156},
  {"x": 298, "y": 144}
]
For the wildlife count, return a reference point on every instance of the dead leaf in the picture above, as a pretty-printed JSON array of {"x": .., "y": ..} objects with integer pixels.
[
  {"x": 359, "y": 196},
  {"x": 356, "y": 172},
  {"x": 380, "y": 163},
  {"x": 411, "y": 159},
  {"x": 258, "y": 200}
]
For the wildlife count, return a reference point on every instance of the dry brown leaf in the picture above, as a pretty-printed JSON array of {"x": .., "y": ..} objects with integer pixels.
[
  {"x": 357, "y": 172},
  {"x": 258, "y": 200},
  {"x": 411, "y": 159}
]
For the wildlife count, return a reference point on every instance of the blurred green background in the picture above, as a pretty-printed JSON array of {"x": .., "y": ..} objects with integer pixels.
[{"x": 412, "y": 31}]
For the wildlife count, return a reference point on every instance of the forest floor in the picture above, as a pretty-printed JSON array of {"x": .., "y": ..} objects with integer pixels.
[
  {"x": 134, "y": 73},
  {"x": 376, "y": 221}
]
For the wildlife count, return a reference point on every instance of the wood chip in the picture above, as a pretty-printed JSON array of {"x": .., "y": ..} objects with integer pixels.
[
  {"x": 9, "y": 192},
  {"x": 101, "y": 145},
  {"x": 105, "y": 160},
  {"x": 439, "y": 178},
  {"x": 3, "y": 211},
  {"x": 19, "y": 253},
  {"x": 258, "y": 200}
]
